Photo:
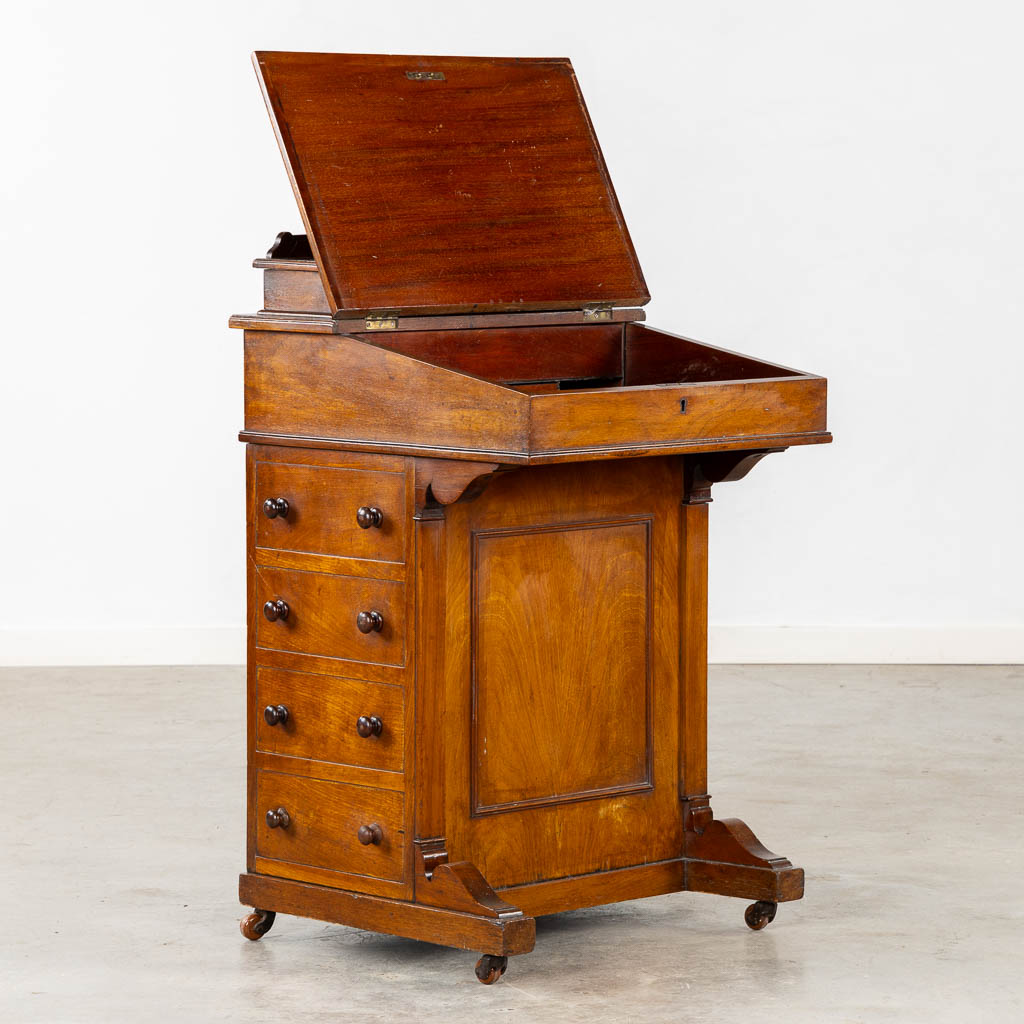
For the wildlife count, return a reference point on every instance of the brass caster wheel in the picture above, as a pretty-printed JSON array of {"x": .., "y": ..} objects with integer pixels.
[
  {"x": 760, "y": 914},
  {"x": 490, "y": 968},
  {"x": 255, "y": 925}
]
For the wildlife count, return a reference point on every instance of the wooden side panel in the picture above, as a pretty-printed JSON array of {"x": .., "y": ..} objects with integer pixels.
[
  {"x": 653, "y": 356},
  {"x": 561, "y": 672},
  {"x": 250, "y": 657},
  {"x": 336, "y": 387},
  {"x": 503, "y": 354},
  {"x": 656, "y": 415},
  {"x": 563, "y": 894},
  {"x": 294, "y": 291},
  {"x": 557, "y": 837}
]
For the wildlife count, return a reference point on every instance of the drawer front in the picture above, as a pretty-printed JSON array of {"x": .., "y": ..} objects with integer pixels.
[
  {"x": 322, "y": 507},
  {"x": 323, "y": 823},
  {"x": 317, "y": 613},
  {"x": 323, "y": 716}
]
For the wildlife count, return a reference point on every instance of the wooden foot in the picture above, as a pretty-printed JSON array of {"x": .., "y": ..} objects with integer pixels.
[
  {"x": 723, "y": 856},
  {"x": 490, "y": 968},
  {"x": 458, "y": 886},
  {"x": 255, "y": 925},
  {"x": 760, "y": 914}
]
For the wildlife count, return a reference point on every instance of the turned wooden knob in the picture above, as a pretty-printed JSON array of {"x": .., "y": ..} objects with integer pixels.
[
  {"x": 370, "y": 834},
  {"x": 370, "y": 622},
  {"x": 276, "y": 507},
  {"x": 369, "y": 725},
  {"x": 278, "y": 609},
  {"x": 276, "y": 714},
  {"x": 278, "y": 818},
  {"x": 368, "y": 515}
]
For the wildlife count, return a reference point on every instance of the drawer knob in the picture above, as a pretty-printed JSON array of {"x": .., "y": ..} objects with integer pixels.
[
  {"x": 368, "y": 834},
  {"x": 369, "y": 725},
  {"x": 370, "y": 622},
  {"x": 368, "y": 516},
  {"x": 274, "y": 508},
  {"x": 276, "y": 714},
  {"x": 278, "y": 818},
  {"x": 275, "y": 610}
]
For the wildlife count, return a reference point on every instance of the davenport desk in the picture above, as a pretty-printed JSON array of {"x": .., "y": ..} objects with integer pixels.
[{"x": 478, "y": 493}]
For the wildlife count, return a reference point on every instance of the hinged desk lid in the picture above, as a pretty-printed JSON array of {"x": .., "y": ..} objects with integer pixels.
[{"x": 450, "y": 184}]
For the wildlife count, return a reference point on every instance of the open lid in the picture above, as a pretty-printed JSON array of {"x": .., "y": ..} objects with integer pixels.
[{"x": 449, "y": 184}]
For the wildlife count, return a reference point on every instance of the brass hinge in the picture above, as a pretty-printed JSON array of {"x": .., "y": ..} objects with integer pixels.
[
  {"x": 598, "y": 311},
  {"x": 387, "y": 322}
]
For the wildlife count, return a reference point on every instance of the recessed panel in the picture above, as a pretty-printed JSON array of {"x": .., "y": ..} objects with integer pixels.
[{"x": 561, "y": 678}]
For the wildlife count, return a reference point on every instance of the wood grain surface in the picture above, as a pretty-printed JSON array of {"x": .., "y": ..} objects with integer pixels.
[
  {"x": 322, "y": 715},
  {"x": 484, "y": 188},
  {"x": 322, "y": 615},
  {"x": 322, "y": 506},
  {"x": 325, "y": 818},
  {"x": 555, "y": 838},
  {"x": 567, "y": 715}
]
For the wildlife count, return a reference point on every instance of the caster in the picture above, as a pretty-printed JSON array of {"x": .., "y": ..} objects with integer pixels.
[
  {"x": 760, "y": 914},
  {"x": 490, "y": 968},
  {"x": 255, "y": 925}
]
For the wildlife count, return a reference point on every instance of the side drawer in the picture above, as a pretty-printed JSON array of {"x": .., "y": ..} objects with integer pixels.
[
  {"x": 320, "y": 717},
  {"x": 323, "y": 823},
  {"x": 318, "y": 613},
  {"x": 314, "y": 509}
]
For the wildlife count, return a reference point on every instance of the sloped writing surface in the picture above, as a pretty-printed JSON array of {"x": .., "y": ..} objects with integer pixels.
[{"x": 450, "y": 184}]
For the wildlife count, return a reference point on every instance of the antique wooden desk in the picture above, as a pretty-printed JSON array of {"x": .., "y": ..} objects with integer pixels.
[{"x": 477, "y": 501}]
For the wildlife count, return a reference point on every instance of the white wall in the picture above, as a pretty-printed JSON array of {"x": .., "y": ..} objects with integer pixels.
[{"x": 837, "y": 187}]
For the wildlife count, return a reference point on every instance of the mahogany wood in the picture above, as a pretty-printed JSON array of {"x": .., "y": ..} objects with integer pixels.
[
  {"x": 483, "y": 188},
  {"x": 292, "y": 380},
  {"x": 515, "y": 354},
  {"x": 657, "y": 415},
  {"x": 292, "y": 383},
  {"x": 322, "y": 323},
  {"x": 569, "y": 715},
  {"x": 776, "y": 442},
  {"x": 323, "y": 615},
  {"x": 294, "y": 289},
  {"x": 478, "y": 540},
  {"x": 506, "y": 935},
  {"x": 323, "y": 508},
  {"x": 548, "y": 825},
  {"x": 321, "y": 828},
  {"x": 600, "y": 887},
  {"x": 323, "y": 716},
  {"x": 658, "y": 357}
]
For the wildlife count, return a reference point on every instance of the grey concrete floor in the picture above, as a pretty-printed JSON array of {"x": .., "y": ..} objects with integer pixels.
[{"x": 898, "y": 789}]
